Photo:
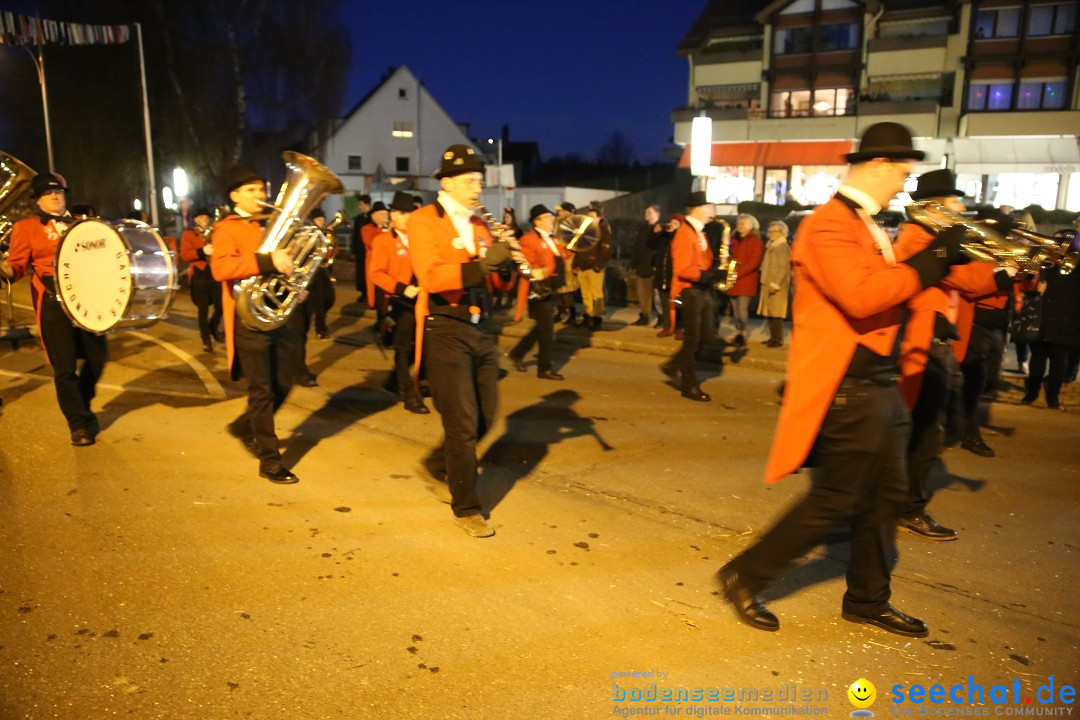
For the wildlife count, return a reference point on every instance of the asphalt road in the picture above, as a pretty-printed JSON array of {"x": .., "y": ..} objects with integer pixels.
[{"x": 155, "y": 575}]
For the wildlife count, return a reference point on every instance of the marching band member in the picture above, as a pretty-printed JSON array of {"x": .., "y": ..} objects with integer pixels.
[
  {"x": 452, "y": 250},
  {"x": 392, "y": 271},
  {"x": 544, "y": 257},
  {"x": 270, "y": 359},
  {"x": 693, "y": 277},
  {"x": 564, "y": 292},
  {"x": 842, "y": 411},
  {"x": 33, "y": 243},
  {"x": 204, "y": 290},
  {"x": 928, "y": 357},
  {"x": 380, "y": 219}
]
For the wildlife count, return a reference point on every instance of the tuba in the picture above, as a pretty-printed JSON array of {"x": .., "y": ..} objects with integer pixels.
[
  {"x": 730, "y": 266},
  {"x": 15, "y": 179},
  {"x": 264, "y": 302},
  {"x": 1028, "y": 252}
]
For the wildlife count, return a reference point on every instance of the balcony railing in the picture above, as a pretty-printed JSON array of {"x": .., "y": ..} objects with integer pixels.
[
  {"x": 892, "y": 106},
  {"x": 907, "y": 42},
  {"x": 898, "y": 106},
  {"x": 721, "y": 113}
]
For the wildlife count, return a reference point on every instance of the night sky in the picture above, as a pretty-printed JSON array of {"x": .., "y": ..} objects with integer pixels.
[{"x": 565, "y": 74}]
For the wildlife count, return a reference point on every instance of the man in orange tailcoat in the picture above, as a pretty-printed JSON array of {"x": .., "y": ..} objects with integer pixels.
[
  {"x": 34, "y": 241},
  {"x": 269, "y": 359},
  {"x": 544, "y": 256},
  {"x": 928, "y": 358},
  {"x": 392, "y": 271},
  {"x": 452, "y": 250},
  {"x": 842, "y": 413},
  {"x": 204, "y": 290}
]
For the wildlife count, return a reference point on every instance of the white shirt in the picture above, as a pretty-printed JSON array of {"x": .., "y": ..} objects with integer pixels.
[
  {"x": 868, "y": 207},
  {"x": 546, "y": 237},
  {"x": 403, "y": 237},
  {"x": 699, "y": 227},
  {"x": 461, "y": 216}
]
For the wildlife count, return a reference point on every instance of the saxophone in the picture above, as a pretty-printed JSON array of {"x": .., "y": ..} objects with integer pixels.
[
  {"x": 265, "y": 302},
  {"x": 538, "y": 290},
  {"x": 724, "y": 263}
]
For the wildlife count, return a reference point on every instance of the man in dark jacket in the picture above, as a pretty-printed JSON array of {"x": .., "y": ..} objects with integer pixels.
[{"x": 645, "y": 247}]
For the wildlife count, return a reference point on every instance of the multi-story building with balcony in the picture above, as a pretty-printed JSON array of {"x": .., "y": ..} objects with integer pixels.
[{"x": 990, "y": 88}]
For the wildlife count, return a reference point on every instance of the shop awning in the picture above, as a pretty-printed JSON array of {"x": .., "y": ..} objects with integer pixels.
[
  {"x": 776, "y": 154},
  {"x": 989, "y": 156}
]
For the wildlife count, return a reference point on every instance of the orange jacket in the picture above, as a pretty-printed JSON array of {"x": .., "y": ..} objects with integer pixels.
[
  {"x": 191, "y": 244},
  {"x": 688, "y": 258},
  {"x": 846, "y": 295},
  {"x": 540, "y": 256},
  {"x": 443, "y": 267},
  {"x": 368, "y": 234},
  {"x": 391, "y": 264},
  {"x": 236, "y": 241},
  {"x": 963, "y": 282},
  {"x": 31, "y": 244}
]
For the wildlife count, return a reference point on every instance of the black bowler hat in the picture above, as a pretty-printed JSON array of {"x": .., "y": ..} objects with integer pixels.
[
  {"x": 402, "y": 202},
  {"x": 936, "y": 183},
  {"x": 457, "y": 160},
  {"x": 696, "y": 198},
  {"x": 46, "y": 182},
  {"x": 885, "y": 140},
  {"x": 537, "y": 211},
  {"x": 241, "y": 175},
  {"x": 380, "y": 205}
]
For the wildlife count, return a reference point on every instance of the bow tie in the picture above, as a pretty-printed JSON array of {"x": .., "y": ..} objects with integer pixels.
[{"x": 46, "y": 218}]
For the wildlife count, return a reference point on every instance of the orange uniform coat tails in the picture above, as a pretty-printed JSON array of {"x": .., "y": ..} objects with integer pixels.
[
  {"x": 236, "y": 241},
  {"x": 688, "y": 258}
]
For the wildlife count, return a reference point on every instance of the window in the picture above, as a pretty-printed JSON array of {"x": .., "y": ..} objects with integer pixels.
[
  {"x": 794, "y": 40},
  {"x": 1051, "y": 19},
  {"x": 999, "y": 23},
  {"x": 822, "y": 102},
  {"x": 402, "y": 129},
  {"x": 990, "y": 96},
  {"x": 402, "y": 94},
  {"x": 839, "y": 37},
  {"x": 1041, "y": 95},
  {"x": 402, "y": 164},
  {"x": 354, "y": 162}
]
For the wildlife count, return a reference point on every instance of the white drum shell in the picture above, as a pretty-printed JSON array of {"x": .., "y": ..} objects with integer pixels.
[{"x": 114, "y": 277}]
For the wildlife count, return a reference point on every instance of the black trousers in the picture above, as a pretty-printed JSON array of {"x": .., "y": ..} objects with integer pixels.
[
  {"x": 206, "y": 293},
  {"x": 699, "y": 329},
  {"x": 270, "y": 361},
  {"x": 981, "y": 368},
  {"x": 859, "y": 482},
  {"x": 1058, "y": 357},
  {"x": 928, "y": 425},
  {"x": 404, "y": 346},
  {"x": 542, "y": 333},
  {"x": 462, "y": 365},
  {"x": 66, "y": 345},
  {"x": 320, "y": 299}
]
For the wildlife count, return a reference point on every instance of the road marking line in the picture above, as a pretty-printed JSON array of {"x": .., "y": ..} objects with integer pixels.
[{"x": 118, "y": 388}]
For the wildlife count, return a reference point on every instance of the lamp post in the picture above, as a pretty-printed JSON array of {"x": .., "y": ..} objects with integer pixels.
[
  {"x": 180, "y": 187},
  {"x": 700, "y": 146}
]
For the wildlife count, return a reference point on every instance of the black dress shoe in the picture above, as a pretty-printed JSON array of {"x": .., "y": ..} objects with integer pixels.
[
  {"x": 207, "y": 346},
  {"x": 307, "y": 381},
  {"x": 82, "y": 437},
  {"x": 1028, "y": 399},
  {"x": 925, "y": 526},
  {"x": 417, "y": 406},
  {"x": 978, "y": 446},
  {"x": 640, "y": 321},
  {"x": 695, "y": 393},
  {"x": 748, "y": 606},
  {"x": 219, "y": 336},
  {"x": 279, "y": 475},
  {"x": 892, "y": 620},
  {"x": 549, "y": 375}
]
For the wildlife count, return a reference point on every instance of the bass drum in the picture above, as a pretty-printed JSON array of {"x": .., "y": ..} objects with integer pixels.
[{"x": 114, "y": 277}]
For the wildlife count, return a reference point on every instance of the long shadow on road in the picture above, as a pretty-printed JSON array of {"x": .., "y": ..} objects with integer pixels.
[{"x": 342, "y": 409}]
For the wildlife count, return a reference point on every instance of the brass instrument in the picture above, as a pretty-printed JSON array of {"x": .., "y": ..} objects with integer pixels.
[
  {"x": 330, "y": 231},
  {"x": 537, "y": 291},
  {"x": 13, "y": 188},
  {"x": 577, "y": 233},
  {"x": 264, "y": 302},
  {"x": 731, "y": 266},
  {"x": 1027, "y": 251}
]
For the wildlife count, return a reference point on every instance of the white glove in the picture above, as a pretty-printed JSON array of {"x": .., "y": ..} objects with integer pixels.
[
  {"x": 537, "y": 274},
  {"x": 208, "y": 249},
  {"x": 1009, "y": 270},
  {"x": 412, "y": 291}
]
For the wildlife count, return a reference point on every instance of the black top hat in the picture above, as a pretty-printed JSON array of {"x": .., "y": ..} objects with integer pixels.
[
  {"x": 885, "y": 140},
  {"x": 241, "y": 175},
  {"x": 380, "y": 205},
  {"x": 936, "y": 183},
  {"x": 459, "y": 159},
  {"x": 696, "y": 198},
  {"x": 46, "y": 182},
  {"x": 402, "y": 202},
  {"x": 537, "y": 211},
  {"x": 202, "y": 211},
  {"x": 566, "y": 207}
]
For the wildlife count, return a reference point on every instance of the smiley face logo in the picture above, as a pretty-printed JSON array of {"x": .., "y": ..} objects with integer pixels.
[{"x": 862, "y": 693}]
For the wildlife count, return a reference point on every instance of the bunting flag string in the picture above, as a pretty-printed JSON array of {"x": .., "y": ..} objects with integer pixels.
[{"x": 25, "y": 30}]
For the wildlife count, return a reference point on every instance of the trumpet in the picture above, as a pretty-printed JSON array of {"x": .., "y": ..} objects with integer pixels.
[
  {"x": 1028, "y": 252},
  {"x": 725, "y": 262}
]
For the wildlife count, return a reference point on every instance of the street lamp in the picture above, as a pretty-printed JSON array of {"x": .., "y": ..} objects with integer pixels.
[
  {"x": 700, "y": 146},
  {"x": 180, "y": 183},
  {"x": 167, "y": 197}
]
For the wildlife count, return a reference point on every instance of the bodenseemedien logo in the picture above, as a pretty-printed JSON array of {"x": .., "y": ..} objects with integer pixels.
[{"x": 862, "y": 695}]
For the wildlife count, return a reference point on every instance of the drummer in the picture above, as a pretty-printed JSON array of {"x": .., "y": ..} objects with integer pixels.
[{"x": 33, "y": 244}]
